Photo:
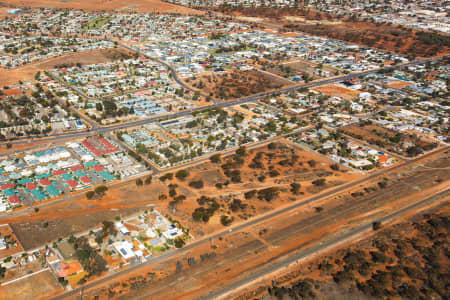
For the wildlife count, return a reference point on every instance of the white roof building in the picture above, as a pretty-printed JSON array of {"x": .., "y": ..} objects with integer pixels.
[{"x": 125, "y": 249}]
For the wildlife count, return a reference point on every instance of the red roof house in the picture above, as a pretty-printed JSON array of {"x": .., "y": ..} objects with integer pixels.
[
  {"x": 59, "y": 172},
  {"x": 86, "y": 179},
  {"x": 44, "y": 182},
  {"x": 31, "y": 186},
  {"x": 10, "y": 185},
  {"x": 72, "y": 183},
  {"x": 76, "y": 168},
  {"x": 14, "y": 199},
  {"x": 98, "y": 168}
]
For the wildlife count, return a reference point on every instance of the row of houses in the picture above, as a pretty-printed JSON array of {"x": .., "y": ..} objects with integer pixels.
[{"x": 39, "y": 175}]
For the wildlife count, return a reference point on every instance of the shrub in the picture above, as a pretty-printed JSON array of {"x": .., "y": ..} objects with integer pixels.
[
  {"x": 250, "y": 194},
  {"x": 182, "y": 174},
  {"x": 237, "y": 205},
  {"x": 242, "y": 151},
  {"x": 196, "y": 184},
  {"x": 272, "y": 146},
  {"x": 226, "y": 220},
  {"x": 378, "y": 257},
  {"x": 179, "y": 242},
  {"x": 376, "y": 225},
  {"x": 268, "y": 194},
  {"x": 148, "y": 180},
  {"x": 319, "y": 182},
  {"x": 318, "y": 209},
  {"x": 90, "y": 194},
  {"x": 335, "y": 167},
  {"x": 101, "y": 189},
  {"x": 274, "y": 173},
  {"x": 216, "y": 158},
  {"x": 343, "y": 276},
  {"x": 167, "y": 176},
  {"x": 295, "y": 188}
]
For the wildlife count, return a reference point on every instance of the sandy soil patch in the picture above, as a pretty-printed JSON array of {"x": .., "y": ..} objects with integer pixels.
[
  {"x": 304, "y": 20},
  {"x": 39, "y": 286},
  {"x": 250, "y": 19},
  {"x": 333, "y": 90}
]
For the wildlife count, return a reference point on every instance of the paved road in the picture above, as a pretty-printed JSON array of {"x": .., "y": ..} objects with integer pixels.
[
  {"x": 292, "y": 258},
  {"x": 242, "y": 226},
  {"x": 255, "y": 97}
]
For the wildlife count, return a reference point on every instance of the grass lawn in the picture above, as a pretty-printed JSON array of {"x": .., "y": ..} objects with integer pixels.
[{"x": 96, "y": 23}]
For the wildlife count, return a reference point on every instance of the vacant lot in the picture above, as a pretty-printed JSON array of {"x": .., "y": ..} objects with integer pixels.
[
  {"x": 338, "y": 91},
  {"x": 398, "y": 84},
  {"x": 236, "y": 83},
  {"x": 404, "y": 144},
  {"x": 304, "y": 70},
  {"x": 12, "y": 76},
  {"x": 39, "y": 286},
  {"x": 36, "y": 233}
]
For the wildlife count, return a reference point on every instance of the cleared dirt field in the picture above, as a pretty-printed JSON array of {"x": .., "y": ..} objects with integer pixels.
[
  {"x": 35, "y": 143},
  {"x": 297, "y": 68},
  {"x": 39, "y": 286},
  {"x": 154, "y": 6},
  {"x": 337, "y": 91},
  {"x": 398, "y": 84},
  {"x": 47, "y": 228},
  {"x": 236, "y": 83},
  {"x": 22, "y": 270},
  {"x": 12, "y": 76}
]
